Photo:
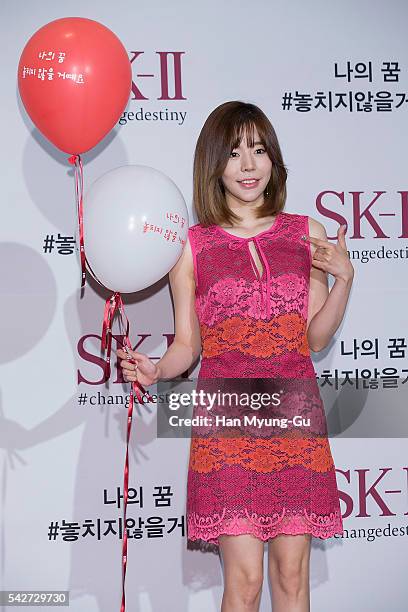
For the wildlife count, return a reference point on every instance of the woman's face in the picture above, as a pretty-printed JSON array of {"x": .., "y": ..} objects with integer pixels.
[{"x": 248, "y": 171}]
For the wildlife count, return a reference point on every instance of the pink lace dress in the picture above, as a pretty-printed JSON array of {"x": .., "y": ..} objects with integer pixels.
[{"x": 253, "y": 326}]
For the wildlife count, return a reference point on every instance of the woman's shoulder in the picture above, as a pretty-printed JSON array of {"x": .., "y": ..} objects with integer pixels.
[
  {"x": 194, "y": 228},
  {"x": 198, "y": 229},
  {"x": 201, "y": 236},
  {"x": 316, "y": 228},
  {"x": 292, "y": 216},
  {"x": 198, "y": 226}
]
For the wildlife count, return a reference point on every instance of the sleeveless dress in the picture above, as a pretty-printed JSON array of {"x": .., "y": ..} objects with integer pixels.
[{"x": 254, "y": 327}]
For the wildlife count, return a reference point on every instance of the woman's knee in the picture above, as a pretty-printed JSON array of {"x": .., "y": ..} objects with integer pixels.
[
  {"x": 242, "y": 557},
  {"x": 290, "y": 575},
  {"x": 246, "y": 585}
]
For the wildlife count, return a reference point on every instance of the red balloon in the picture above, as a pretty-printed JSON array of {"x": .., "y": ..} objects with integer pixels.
[{"x": 74, "y": 78}]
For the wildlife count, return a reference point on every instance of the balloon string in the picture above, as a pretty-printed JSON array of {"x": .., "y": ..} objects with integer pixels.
[
  {"x": 106, "y": 344},
  {"x": 76, "y": 161},
  {"x": 115, "y": 304}
]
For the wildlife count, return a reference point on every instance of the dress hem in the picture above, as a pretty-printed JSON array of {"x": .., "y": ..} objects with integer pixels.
[{"x": 264, "y": 538}]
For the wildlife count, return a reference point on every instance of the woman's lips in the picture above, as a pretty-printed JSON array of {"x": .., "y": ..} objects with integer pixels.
[{"x": 249, "y": 183}]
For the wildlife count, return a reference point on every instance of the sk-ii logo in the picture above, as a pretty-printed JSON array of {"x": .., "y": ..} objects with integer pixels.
[
  {"x": 99, "y": 362},
  {"x": 369, "y": 482},
  {"x": 167, "y": 75},
  {"x": 367, "y": 216}
]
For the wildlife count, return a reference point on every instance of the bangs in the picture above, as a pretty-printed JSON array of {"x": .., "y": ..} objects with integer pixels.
[{"x": 245, "y": 128}]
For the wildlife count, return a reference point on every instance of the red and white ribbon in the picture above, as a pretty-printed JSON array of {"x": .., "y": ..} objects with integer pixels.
[
  {"x": 76, "y": 161},
  {"x": 115, "y": 304}
]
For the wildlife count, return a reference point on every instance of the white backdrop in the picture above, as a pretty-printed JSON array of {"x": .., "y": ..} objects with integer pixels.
[{"x": 345, "y": 146}]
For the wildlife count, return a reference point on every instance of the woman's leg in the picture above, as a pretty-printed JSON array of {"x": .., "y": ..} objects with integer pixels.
[
  {"x": 242, "y": 560},
  {"x": 288, "y": 569}
]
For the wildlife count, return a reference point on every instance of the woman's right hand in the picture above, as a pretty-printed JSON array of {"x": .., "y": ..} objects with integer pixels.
[{"x": 144, "y": 370}]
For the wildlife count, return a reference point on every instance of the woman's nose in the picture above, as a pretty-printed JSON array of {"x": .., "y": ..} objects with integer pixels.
[{"x": 247, "y": 162}]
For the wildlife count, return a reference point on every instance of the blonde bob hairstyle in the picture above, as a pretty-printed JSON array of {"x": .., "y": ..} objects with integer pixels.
[{"x": 222, "y": 132}]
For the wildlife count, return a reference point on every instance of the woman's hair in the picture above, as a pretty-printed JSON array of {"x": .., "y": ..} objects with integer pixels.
[{"x": 221, "y": 133}]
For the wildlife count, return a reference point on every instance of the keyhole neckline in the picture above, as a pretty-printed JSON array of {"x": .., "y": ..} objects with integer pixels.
[{"x": 274, "y": 225}]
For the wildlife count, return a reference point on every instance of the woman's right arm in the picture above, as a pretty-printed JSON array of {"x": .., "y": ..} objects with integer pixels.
[{"x": 186, "y": 346}]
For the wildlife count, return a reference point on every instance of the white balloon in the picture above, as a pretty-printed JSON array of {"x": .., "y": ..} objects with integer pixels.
[{"x": 135, "y": 227}]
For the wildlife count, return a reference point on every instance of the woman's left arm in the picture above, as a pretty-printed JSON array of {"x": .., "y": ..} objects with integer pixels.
[{"x": 326, "y": 308}]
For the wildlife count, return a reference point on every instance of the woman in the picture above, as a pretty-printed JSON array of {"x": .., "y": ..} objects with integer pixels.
[{"x": 251, "y": 295}]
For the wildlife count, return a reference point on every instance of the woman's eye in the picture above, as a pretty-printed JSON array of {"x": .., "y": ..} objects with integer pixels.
[
  {"x": 261, "y": 151},
  {"x": 233, "y": 153}
]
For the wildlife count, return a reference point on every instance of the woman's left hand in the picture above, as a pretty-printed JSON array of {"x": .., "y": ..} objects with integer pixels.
[{"x": 333, "y": 258}]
